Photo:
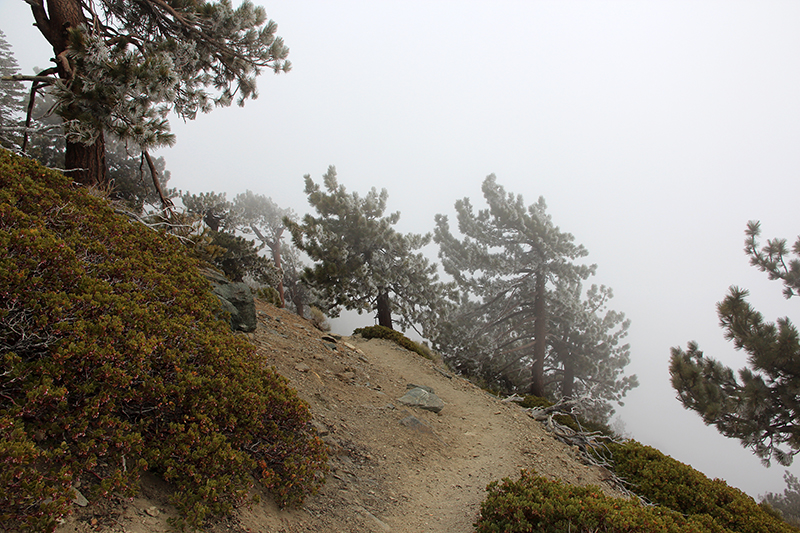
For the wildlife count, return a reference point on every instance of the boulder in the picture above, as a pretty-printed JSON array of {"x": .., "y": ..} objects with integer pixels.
[
  {"x": 236, "y": 298},
  {"x": 419, "y": 397}
]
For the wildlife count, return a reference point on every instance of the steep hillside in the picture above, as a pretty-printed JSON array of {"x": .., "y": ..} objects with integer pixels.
[{"x": 393, "y": 468}]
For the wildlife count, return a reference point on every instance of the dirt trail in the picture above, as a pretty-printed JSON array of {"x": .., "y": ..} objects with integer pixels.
[{"x": 389, "y": 472}]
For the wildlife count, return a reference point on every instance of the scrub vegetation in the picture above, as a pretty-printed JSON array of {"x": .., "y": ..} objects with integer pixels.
[{"x": 114, "y": 363}]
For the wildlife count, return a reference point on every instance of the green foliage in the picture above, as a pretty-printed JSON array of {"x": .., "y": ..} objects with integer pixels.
[
  {"x": 522, "y": 322},
  {"x": 113, "y": 363},
  {"x": 760, "y": 406},
  {"x": 362, "y": 263},
  {"x": 672, "y": 484},
  {"x": 240, "y": 257},
  {"x": 12, "y": 94},
  {"x": 269, "y": 295},
  {"x": 773, "y": 258},
  {"x": 382, "y": 332},
  {"x": 534, "y": 503},
  {"x": 787, "y": 505},
  {"x": 143, "y": 59}
]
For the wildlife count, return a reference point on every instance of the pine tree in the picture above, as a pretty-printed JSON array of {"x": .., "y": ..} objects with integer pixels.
[
  {"x": 587, "y": 357},
  {"x": 761, "y": 407},
  {"x": 122, "y": 65},
  {"x": 129, "y": 175},
  {"x": 513, "y": 267},
  {"x": 259, "y": 215},
  {"x": 12, "y": 95},
  {"x": 362, "y": 263},
  {"x": 788, "y": 503}
]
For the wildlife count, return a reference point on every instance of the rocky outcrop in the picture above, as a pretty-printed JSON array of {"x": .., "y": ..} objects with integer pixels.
[{"x": 236, "y": 298}]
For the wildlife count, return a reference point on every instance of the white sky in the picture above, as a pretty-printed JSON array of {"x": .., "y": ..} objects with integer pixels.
[{"x": 654, "y": 130}]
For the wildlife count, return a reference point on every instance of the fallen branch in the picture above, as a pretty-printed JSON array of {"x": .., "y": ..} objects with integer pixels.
[{"x": 591, "y": 444}]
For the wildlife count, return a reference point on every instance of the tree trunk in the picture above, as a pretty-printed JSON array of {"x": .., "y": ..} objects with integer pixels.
[
  {"x": 540, "y": 337},
  {"x": 568, "y": 381},
  {"x": 384, "y": 310},
  {"x": 276, "y": 257},
  {"x": 275, "y": 246},
  {"x": 86, "y": 164}
]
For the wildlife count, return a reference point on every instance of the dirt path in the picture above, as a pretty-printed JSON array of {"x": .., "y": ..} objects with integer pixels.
[{"x": 393, "y": 468}]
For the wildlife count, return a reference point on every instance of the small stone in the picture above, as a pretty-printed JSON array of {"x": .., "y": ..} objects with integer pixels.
[
  {"x": 302, "y": 367},
  {"x": 79, "y": 498},
  {"x": 152, "y": 511}
]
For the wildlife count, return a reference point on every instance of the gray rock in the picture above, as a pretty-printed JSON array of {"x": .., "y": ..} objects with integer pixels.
[
  {"x": 236, "y": 299},
  {"x": 410, "y": 386},
  {"x": 79, "y": 498},
  {"x": 419, "y": 397}
]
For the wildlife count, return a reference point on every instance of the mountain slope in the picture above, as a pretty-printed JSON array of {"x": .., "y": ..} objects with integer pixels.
[{"x": 388, "y": 472}]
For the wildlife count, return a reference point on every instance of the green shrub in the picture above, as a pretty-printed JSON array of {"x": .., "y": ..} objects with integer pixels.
[
  {"x": 535, "y": 504},
  {"x": 382, "y": 332},
  {"x": 269, "y": 295},
  {"x": 664, "y": 481},
  {"x": 113, "y": 363}
]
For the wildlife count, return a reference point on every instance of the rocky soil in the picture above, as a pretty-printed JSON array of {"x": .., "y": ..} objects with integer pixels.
[{"x": 393, "y": 468}]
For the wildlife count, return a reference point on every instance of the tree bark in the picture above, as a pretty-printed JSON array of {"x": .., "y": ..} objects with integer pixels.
[
  {"x": 85, "y": 164},
  {"x": 275, "y": 246},
  {"x": 384, "y": 310},
  {"x": 540, "y": 337},
  {"x": 568, "y": 381}
]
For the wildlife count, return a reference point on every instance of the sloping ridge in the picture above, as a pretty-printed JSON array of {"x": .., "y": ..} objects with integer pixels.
[{"x": 389, "y": 472}]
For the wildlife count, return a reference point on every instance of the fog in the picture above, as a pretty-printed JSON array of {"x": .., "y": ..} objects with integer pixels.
[{"x": 654, "y": 130}]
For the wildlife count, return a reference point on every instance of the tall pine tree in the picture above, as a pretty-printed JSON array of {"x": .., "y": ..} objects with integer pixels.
[
  {"x": 521, "y": 300},
  {"x": 12, "y": 95},
  {"x": 259, "y": 215},
  {"x": 760, "y": 406}
]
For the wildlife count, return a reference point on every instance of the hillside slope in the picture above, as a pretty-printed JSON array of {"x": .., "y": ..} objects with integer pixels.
[{"x": 388, "y": 473}]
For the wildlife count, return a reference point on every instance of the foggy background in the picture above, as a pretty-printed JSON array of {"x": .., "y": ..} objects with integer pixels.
[{"x": 654, "y": 130}]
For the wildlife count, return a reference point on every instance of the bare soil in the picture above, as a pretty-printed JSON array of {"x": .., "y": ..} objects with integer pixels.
[{"x": 388, "y": 472}]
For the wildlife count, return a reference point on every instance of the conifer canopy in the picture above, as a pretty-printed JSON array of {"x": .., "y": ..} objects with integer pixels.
[
  {"x": 122, "y": 65},
  {"x": 761, "y": 405}
]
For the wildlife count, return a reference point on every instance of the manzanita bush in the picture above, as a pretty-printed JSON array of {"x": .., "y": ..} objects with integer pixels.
[
  {"x": 684, "y": 501},
  {"x": 113, "y": 363},
  {"x": 664, "y": 481},
  {"x": 534, "y": 504}
]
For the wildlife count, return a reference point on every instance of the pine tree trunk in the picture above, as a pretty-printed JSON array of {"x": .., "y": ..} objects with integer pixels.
[
  {"x": 568, "y": 381},
  {"x": 86, "y": 164},
  {"x": 276, "y": 257},
  {"x": 540, "y": 338},
  {"x": 384, "y": 310}
]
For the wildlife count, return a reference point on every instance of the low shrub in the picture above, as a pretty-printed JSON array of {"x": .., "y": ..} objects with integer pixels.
[
  {"x": 662, "y": 480},
  {"x": 318, "y": 319},
  {"x": 535, "y": 504},
  {"x": 382, "y": 332},
  {"x": 112, "y": 362}
]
